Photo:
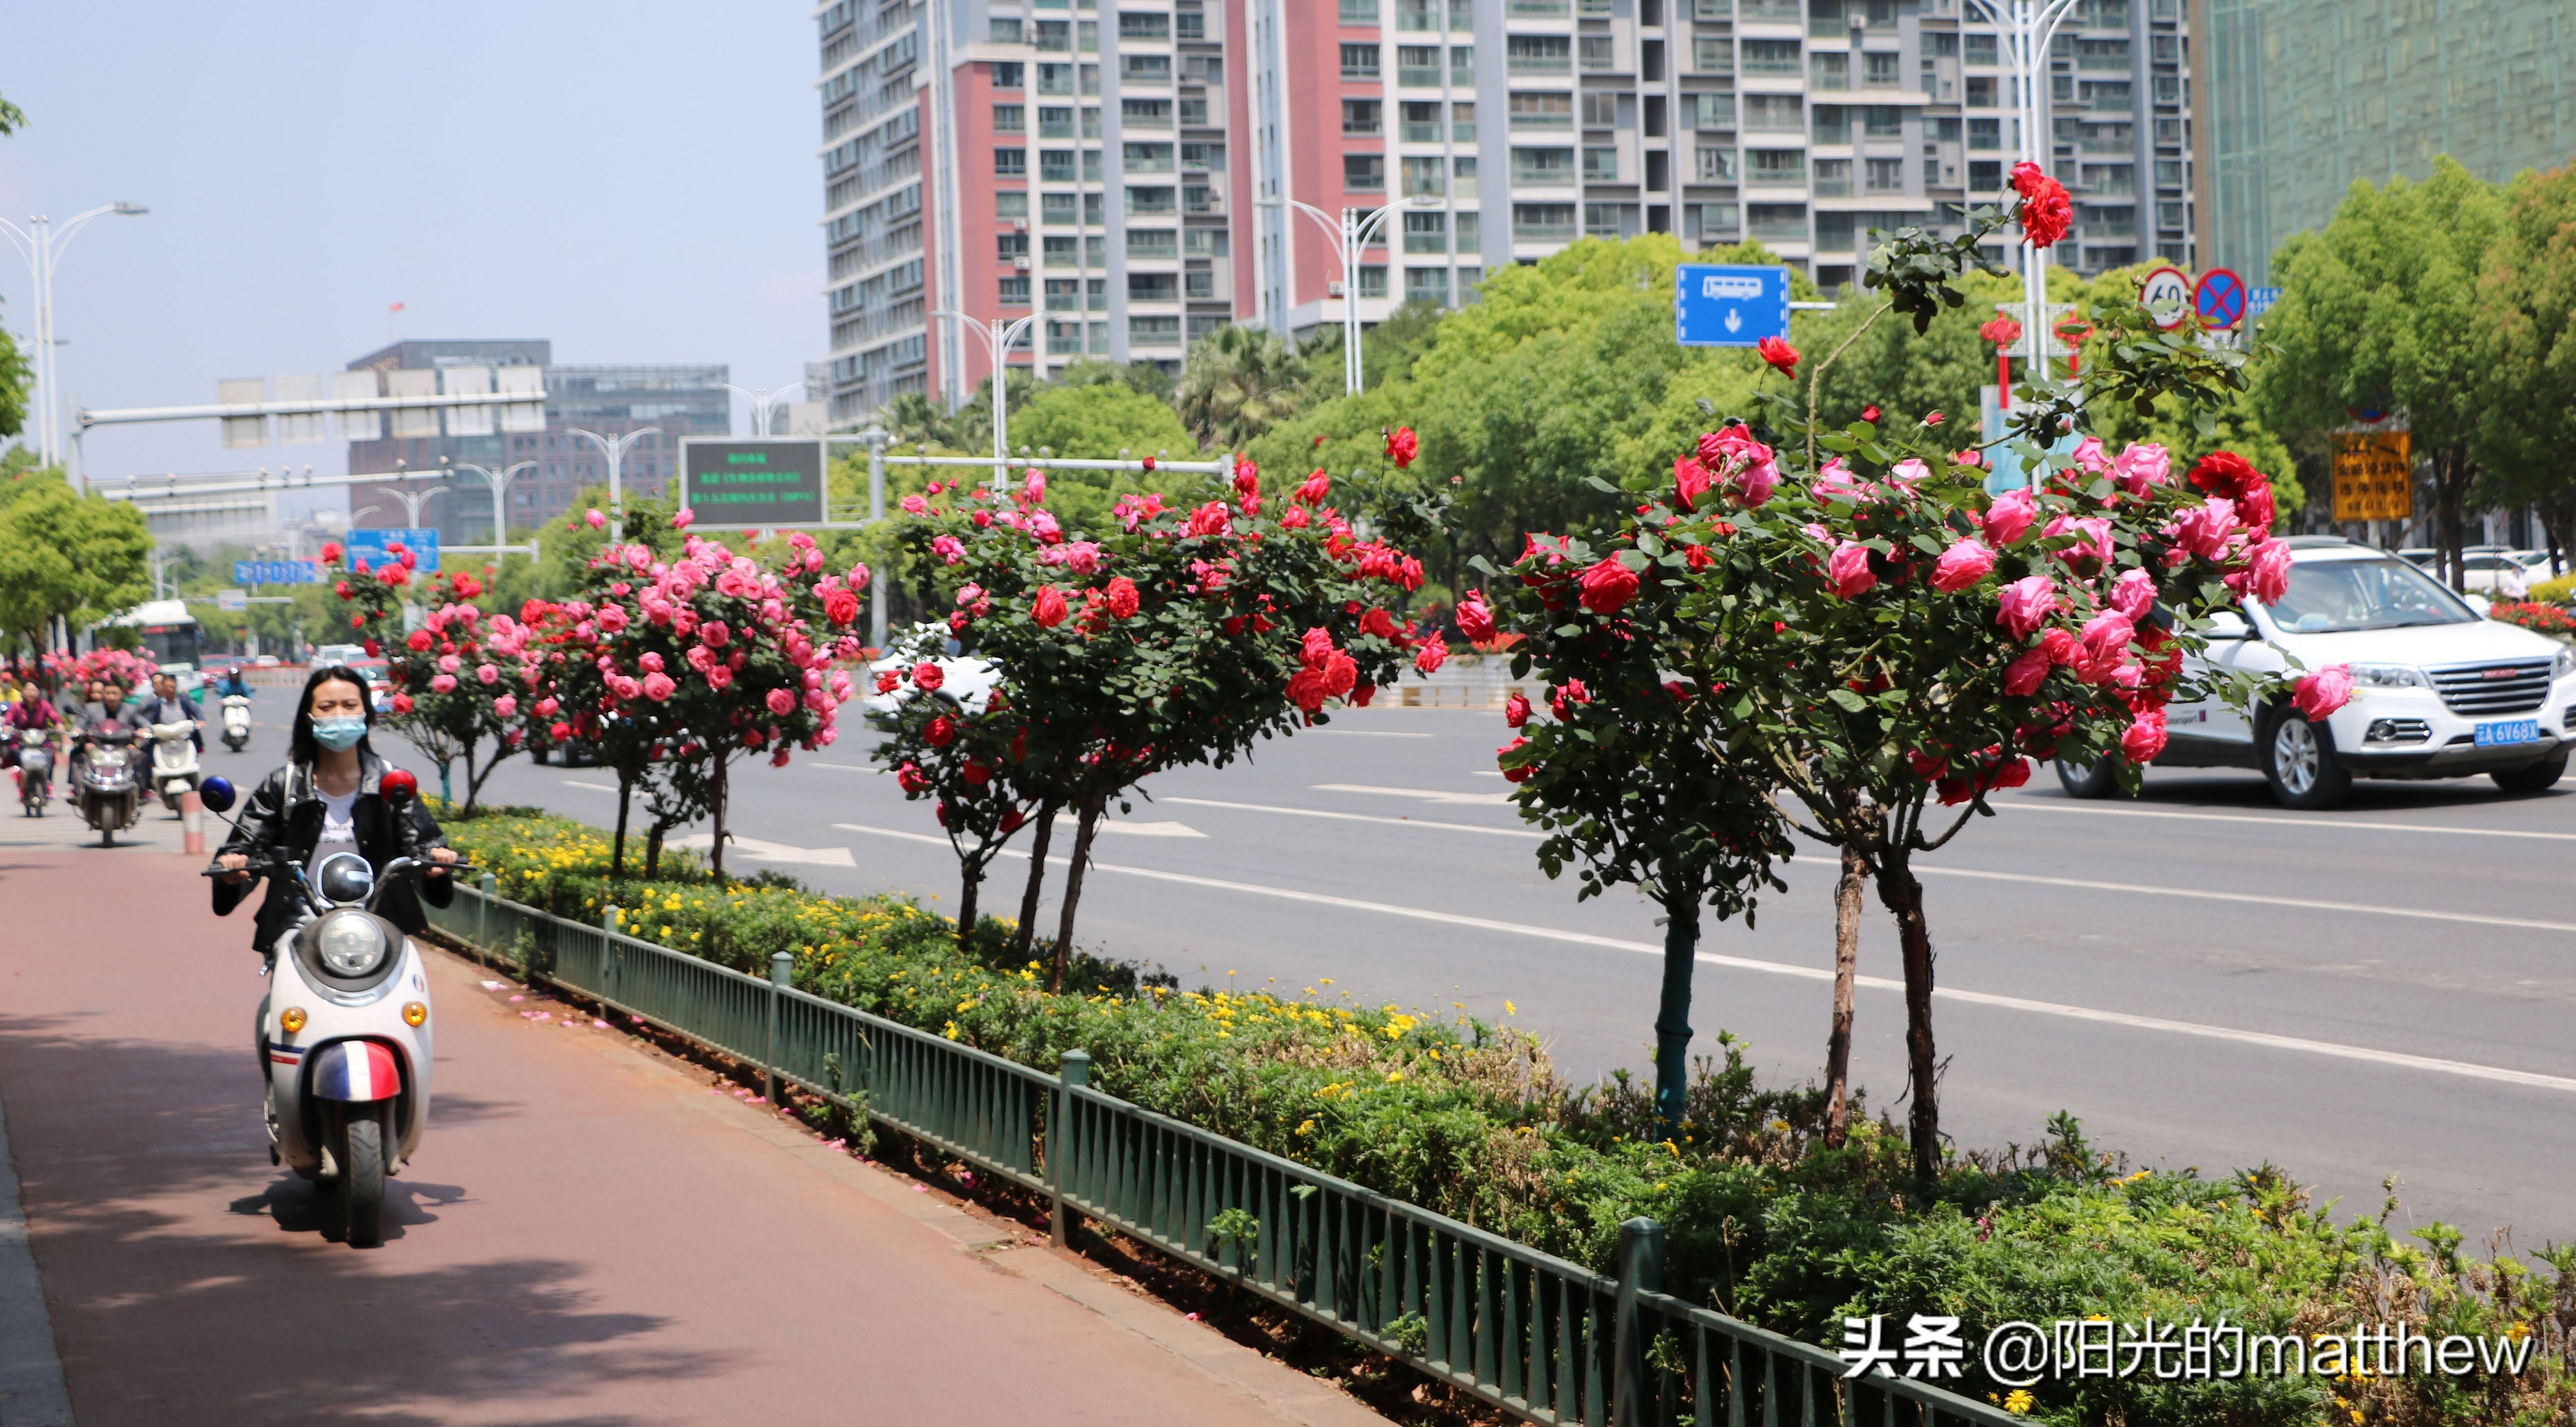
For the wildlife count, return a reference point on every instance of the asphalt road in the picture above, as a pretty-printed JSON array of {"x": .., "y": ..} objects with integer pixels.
[{"x": 2203, "y": 978}]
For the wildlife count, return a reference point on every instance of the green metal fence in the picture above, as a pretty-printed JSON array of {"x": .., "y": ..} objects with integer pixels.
[{"x": 1544, "y": 1339}]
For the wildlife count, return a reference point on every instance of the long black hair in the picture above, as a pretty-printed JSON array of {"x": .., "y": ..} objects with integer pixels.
[{"x": 302, "y": 747}]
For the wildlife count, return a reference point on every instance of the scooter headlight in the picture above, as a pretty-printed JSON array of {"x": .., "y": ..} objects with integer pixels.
[{"x": 351, "y": 944}]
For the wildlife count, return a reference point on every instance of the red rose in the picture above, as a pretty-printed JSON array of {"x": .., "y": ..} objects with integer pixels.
[
  {"x": 840, "y": 607},
  {"x": 330, "y": 552},
  {"x": 2046, "y": 212},
  {"x": 1869, "y": 414},
  {"x": 467, "y": 587},
  {"x": 909, "y": 778},
  {"x": 1516, "y": 710},
  {"x": 1475, "y": 620},
  {"x": 1401, "y": 446},
  {"x": 977, "y": 775},
  {"x": 419, "y": 641},
  {"x": 1608, "y": 585},
  {"x": 927, "y": 677},
  {"x": 2224, "y": 473},
  {"x": 1779, "y": 354},
  {"x": 1122, "y": 598},
  {"x": 940, "y": 732},
  {"x": 402, "y": 703},
  {"x": 374, "y": 650},
  {"x": 1503, "y": 755},
  {"x": 1316, "y": 487},
  {"x": 1049, "y": 609},
  {"x": 1247, "y": 478}
]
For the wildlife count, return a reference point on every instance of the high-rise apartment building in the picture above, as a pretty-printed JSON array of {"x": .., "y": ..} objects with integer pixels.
[
  {"x": 1117, "y": 170},
  {"x": 677, "y": 400},
  {"x": 2305, "y": 98}
]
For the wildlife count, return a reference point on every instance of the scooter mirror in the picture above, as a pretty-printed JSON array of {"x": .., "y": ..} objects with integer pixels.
[
  {"x": 216, "y": 794},
  {"x": 399, "y": 788}
]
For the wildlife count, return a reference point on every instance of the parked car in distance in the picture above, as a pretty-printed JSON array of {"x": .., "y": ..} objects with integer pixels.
[
  {"x": 265, "y": 661},
  {"x": 329, "y": 654},
  {"x": 965, "y": 680},
  {"x": 2498, "y": 576},
  {"x": 2439, "y": 691}
]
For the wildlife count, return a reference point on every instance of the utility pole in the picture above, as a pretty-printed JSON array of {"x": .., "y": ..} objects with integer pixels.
[
  {"x": 42, "y": 245},
  {"x": 1356, "y": 232}
]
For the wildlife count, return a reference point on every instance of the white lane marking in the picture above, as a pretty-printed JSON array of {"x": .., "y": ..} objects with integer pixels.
[
  {"x": 594, "y": 787},
  {"x": 1368, "y": 733},
  {"x": 2039, "y": 805},
  {"x": 1357, "y": 817},
  {"x": 2301, "y": 1045},
  {"x": 2301, "y": 903},
  {"x": 1067, "y": 822},
  {"x": 847, "y": 767},
  {"x": 1428, "y": 795},
  {"x": 759, "y": 851}
]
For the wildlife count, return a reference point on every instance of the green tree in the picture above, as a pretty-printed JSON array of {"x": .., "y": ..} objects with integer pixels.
[
  {"x": 1239, "y": 381},
  {"x": 81, "y": 558},
  {"x": 2527, "y": 332},
  {"x": 2380, "y": 309}
]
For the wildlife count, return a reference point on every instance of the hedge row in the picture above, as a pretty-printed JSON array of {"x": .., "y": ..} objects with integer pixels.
[{"x": 1763, "y": 1221}]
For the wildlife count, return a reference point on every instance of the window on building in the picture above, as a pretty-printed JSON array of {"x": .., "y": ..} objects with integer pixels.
[
  {"x": 1144, "y": 69},
  {"x": 1981, "y": 91},
  {"x": 1985, "y": 135},
  {"x": 1153, "y": 243},
  {"x": 1203, "y": 155},
  {"x": 1055, "y": 165},
  {"x": 1147, "y": 158},
  {"x": 1145, "y": 200},
  {"x": 1426, "y": 232},
  {"x": 1008, "y": 75},
  {"x": 1601, "y": 165},
  {"x": 1542, "y": 111},
  {"x": 1538, "y": 54},
  {"x": 1204, "y": 242},
  {"x": 1194, "y": 111},
  {"x": 1010, "y": 163},
  {"x": 1063, "y": 252},
  {"x": 1416, "y": 16},
  {"x": 1010, "y": 119},
  {"x": 1427, "y": 285},
  {"x": 1058, "y": 209},
  {"x": 1196, "y": 285},
  {"x": 1543, "y": 222},
  {"x": 1363, "y": 116},
  {"x": 1364, "y": 173},
  {"x": 1373, "y": 280},
  {"x": 1359, "y": 61},
  {"x": 2168, "y": 173},
  {"x": 1775, "y": 113},
  {"x": 1189, "y": 25},
  {"x": 1716, "y": 164},
  {"x": 1418, "y": 66},
  {"x": 1015, "y": 290},
  {"x": 1548, "y": 166},
  {"x": 1883, "y": 121},
  {"x": 1359, "y": 12},
  {"x": 1600, "y": 110},
  {"x": 1055, "y": 122},
  {"x": 1155, "y": 329},
  {"x": 1143, "y": 25},
  {"x": 1772, "y": 57},
  {"x": 1010, "y": 246},
  {"x": 1878, "y": 69},
  {"x": 1420, "y": 122},
  {"x": 1052, "y": 37},
  {"x": 1886, "y": 175},
  {"x": 1462, "y": 122},
  {"x": 1985, "y": 175},
  {"x": 1832, "y": 178},
  {"x": 1776, "y": 167},
  {"x": 1607, "y": 220},
  {"x": 1708, "y": 111},
  {"x": 1828, "y": 70},
  {"x": 1145, "y": 113},
  {"x": 1052, "y": 79},
  {"x": 1426, "y": 177},
  {"x": 1979, "y": 49},
  {"x": 1011, "y": 207},
  {"x": 1595, "y": 54}
]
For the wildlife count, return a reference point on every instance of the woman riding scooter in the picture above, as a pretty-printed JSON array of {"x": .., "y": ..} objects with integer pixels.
[{"x": 343, "y": 1034}]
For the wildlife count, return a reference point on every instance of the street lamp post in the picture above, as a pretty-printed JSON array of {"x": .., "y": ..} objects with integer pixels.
[
  {"x": 41, "y": 244},
  {"x": 764, "y": 404},
  {"x": 500, "y": 484},
  {"x": 412, "y": 503},
  {"x": 2025, "y": 28},
  {"x": 1355, "y": 232},
  {"x": 998, "y": 337},
  {"x": 615, "y": 450}
]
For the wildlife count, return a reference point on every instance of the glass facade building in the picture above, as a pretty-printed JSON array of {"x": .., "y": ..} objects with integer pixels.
[{"x": 2305, "y": 97}]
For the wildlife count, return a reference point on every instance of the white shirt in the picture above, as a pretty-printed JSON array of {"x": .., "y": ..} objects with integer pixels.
[{"x": 339, "y": 831}]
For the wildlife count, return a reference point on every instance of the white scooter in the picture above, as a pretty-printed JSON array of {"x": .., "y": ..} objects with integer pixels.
[
  {"x": 344, "y": 1030},
  {"x": 174, "y": 760},
  {"x": 236, "y": 721}
]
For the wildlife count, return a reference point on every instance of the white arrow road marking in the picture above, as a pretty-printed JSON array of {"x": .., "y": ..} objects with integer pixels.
[
  {"x": 1358, "y": 817},
  {"x": 2043, "y": 805},
  {"x": 593, "y": 787},
  {"x": 759, "y": 851},
  {"x": 1428, "y": 795},
  {"x": 2198, "y": 894},
  {"x": 1067, "y": 822},
  {"x": 2301, "y": 1045}
]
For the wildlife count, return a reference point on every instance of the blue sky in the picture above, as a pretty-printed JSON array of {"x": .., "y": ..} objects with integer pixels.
[{"x": 636, "y": 182}]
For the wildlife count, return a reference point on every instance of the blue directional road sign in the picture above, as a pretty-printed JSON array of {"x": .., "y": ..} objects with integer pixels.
[
  {"x": 370, "y": 546},
  {"x": 2220, "y": 299},
  {"x": 1720, "y": 305},
  {"x": 276, "y": 572},
  {"x": 2262, "y": 301}
]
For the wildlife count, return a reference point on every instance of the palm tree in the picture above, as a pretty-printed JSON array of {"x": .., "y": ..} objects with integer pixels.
[{"x": 1239, "y": 381}]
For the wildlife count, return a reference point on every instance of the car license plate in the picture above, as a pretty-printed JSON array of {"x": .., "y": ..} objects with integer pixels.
[{"x": 2508, "y": 731}]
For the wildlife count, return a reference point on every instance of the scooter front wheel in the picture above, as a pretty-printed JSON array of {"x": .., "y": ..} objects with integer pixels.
[{"x": 362, "y": 1177}]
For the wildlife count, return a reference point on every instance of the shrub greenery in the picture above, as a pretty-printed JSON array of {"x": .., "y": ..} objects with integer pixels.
[{"x": 1764, "y": 1222}]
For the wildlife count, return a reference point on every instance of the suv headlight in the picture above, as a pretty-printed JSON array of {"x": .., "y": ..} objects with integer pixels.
[
  {"x": 351, "y": 944},
  {"x": 2566, "y": 663},
  {"x": 2388, "y": 676}
]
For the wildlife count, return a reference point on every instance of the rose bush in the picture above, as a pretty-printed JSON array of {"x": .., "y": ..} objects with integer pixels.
[{"x": 455, "y": 690}]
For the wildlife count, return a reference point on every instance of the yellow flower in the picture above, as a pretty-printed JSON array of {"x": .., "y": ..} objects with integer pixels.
[
  {"x": 1306, "y": 1128},
  {"x": 1509, "y": 1009},
  {"x": 2020, "y": 1402}
]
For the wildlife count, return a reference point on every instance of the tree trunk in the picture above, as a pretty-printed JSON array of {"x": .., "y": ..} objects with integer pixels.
[
  {"x": 653, "y": 849},
  {"x": 966, "y": 899},
  {"x": 1903, "y": 895},
  {"x": 1672, "y": 1013},
  {"x": 2450, "y": 480},
  {"x": 1847, "y": 906},
  {"x": 715, "y": 850},
  {"x": 625, "y": 800},
  {"x": 1090, "y": 823},
  {"x": 1037, "y": 880}
]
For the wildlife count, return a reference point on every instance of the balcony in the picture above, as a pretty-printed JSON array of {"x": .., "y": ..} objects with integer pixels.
[{"x": 1413, "y": 133}]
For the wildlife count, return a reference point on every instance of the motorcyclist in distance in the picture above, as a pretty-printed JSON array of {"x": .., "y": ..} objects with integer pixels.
[
  {"x": 230, "y": 684},
  {"x": 327, "y": 800},
  {"x": 168, "y": 705},
  {"x": 106, "y": 711}
]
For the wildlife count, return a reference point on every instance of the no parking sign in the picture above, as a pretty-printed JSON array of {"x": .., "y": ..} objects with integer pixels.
[{"x": 2219, "y": 299}]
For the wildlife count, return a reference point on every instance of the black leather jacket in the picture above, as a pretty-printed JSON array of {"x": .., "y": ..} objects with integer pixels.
[{"x": 285, "y": 814}]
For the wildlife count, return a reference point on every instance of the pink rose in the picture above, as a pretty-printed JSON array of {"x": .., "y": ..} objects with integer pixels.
[
  {"x": 506, "y": 706},
  {"x": 442, "y": 684},
  {"x": 486, "y": 674},
  {"x": 597, "y": 520},
  {"x": 2323, "y": 692},
  {"x": 2107, "y": 636},
  {"x": 2024, "y": 675},
  {"x": 1962, "y": 565},
  {"x": 2266, "y": 575},
  {"x": 2145, "y": 736},
  {"x": 2133, "y": 594},
  {"x": 2010, "y": 515},
  {"x": 681, "y": 520},
  {"x": 948, "y": 548},
  {"x": 1848, "y": 568},
  {"x": 2025, "y": 604},
  {"x": 1909, "y": 472},
  {"x": 659, "y": 686},
  {"x": 2089, "y": 456},
  {"x": 611, "y": 618},
  {"x": 781, "y": 702},
  {"x": 719, "y": 678},
  {"x": 547, "y": 707},
  {"x": 2203, "y": 530},
  {"x": 914, "y": 505},
  {"x": 449, "y": 663},
  {"x": 625, "y": 687},
  {"x": 2141, "y": 466},
  {"x": 714, "y": 634}
]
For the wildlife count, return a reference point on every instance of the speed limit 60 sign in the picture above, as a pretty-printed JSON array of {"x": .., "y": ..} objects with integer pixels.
[{"x": 2166, "y": 295}]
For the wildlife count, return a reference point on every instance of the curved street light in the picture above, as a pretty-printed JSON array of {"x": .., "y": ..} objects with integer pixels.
[
  {"x": 764, "y": 404},
  {"x": 999, "y": 337},
  {"x": 615, "y": 450},
  {"x": 1355, "y": 232},
  {"x": 2026, "y": 27},
  {"x": 500, "y": 484},
  {"x": 42, "y": 245}
]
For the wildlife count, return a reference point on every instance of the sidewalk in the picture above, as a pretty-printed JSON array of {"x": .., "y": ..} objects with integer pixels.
[{"x": 590, "y": 1235}]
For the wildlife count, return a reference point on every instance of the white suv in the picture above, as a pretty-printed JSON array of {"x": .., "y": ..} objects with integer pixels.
[{"x": 2439, "y": 691}]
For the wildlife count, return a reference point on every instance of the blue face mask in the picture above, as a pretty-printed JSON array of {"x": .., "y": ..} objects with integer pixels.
[{"x": 339, "y": 734}]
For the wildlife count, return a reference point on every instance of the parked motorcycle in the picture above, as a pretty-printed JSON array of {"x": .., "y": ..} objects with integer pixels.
[
  {"x": 344, "y": 1030},
  {"x": 35, "y": 771},
  {"x": 174, "y": 760},
  {"x": 236, "y": 718},
  {"x": 104, "y": 782}
]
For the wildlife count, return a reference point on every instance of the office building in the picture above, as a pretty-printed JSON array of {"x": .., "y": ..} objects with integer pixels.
[
  {"x": 2306, "y": 98},
  {"x": 1118, "y": 174},
  {"x": 677, "y": 400}
]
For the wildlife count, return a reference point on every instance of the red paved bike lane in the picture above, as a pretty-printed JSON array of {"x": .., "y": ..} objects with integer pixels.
[{"x": 588, "y": 1235}]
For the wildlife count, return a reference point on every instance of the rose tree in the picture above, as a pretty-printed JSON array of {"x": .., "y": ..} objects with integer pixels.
[{"x": 454, "y": 694}]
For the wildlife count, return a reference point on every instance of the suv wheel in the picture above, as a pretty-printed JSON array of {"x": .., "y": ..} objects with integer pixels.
[
  {"x": 2299, "y": 762},
  {"x": 2532, "y": 777},
  {"x": 2089, "y": 780}
]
